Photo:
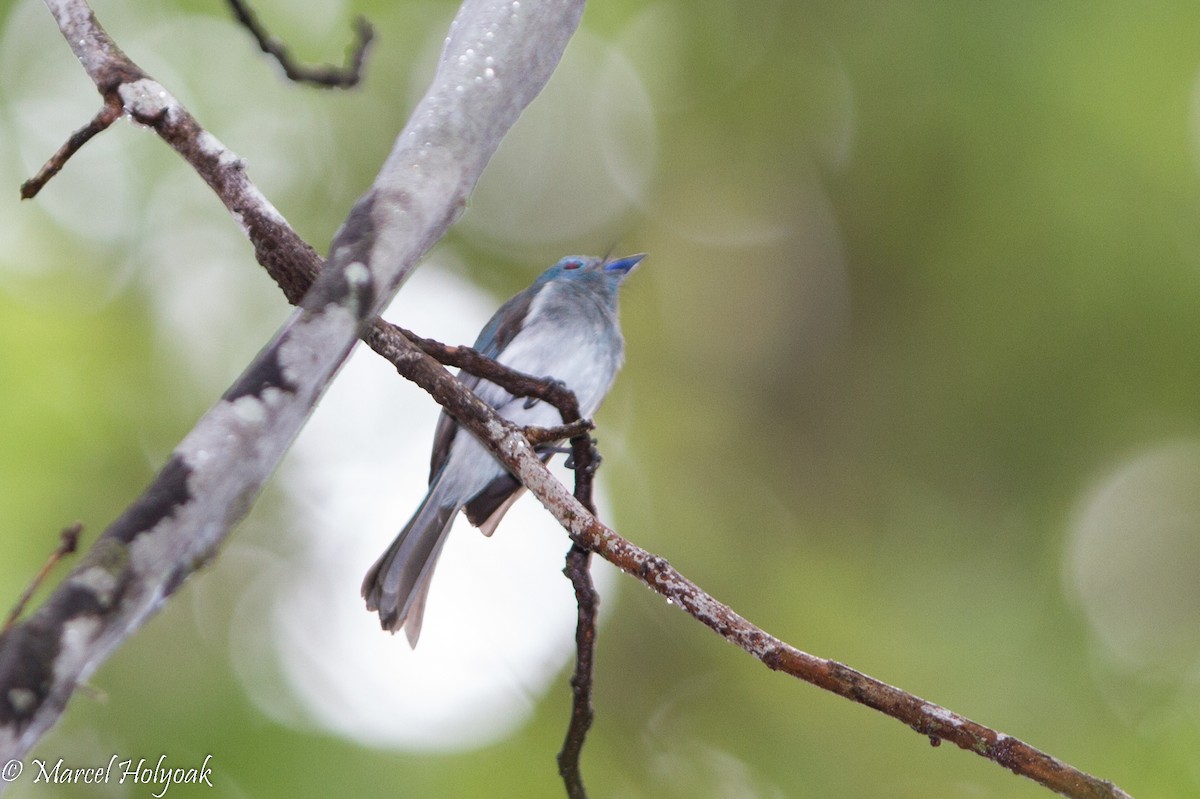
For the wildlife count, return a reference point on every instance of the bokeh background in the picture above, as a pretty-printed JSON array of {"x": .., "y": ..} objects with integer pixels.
[{"x": 912, "y": 383}]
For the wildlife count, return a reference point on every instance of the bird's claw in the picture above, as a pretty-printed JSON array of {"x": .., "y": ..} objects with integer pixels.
[
  {"x": 550, "y": 381},
  {"x": 595, "y": 459}
]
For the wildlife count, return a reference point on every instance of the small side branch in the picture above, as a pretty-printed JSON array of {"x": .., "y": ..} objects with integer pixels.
[
  {"x": 931, "y": 720},
  {"x": 68, "y": 542},
  {"x": 109, "y": 113},
  {"x": 514, "y": 382},
  {"x": 324, "y": 75},
  {"x": 539, "y": 436},
  {"x": 585, "y": 460},
  {"x": 578, "y": 571}
]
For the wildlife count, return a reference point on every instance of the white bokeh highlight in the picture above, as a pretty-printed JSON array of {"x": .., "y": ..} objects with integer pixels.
[{"x": 1133, "y": 559}]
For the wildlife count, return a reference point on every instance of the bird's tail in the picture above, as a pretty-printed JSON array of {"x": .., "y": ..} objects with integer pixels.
[{"x": 396, "y": 586}]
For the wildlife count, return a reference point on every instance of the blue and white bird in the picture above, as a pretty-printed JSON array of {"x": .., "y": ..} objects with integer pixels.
[{"x": 564, "y": 327}]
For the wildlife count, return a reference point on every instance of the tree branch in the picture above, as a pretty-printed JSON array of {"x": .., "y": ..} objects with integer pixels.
[
  {"x": 214, "y": 474},
  {"x": 519, "y": 385}
]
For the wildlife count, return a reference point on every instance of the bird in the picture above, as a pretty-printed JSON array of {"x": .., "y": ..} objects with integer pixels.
[{"x": 563, "y": 327}]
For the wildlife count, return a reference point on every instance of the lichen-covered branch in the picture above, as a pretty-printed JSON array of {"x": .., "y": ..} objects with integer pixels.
[{"x": 495, "y": 61}]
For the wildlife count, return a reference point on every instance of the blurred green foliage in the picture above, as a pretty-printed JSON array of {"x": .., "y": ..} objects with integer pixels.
[{"x": 921, "y": 276}]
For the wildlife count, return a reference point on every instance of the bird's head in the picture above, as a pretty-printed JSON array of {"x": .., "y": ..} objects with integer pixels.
[{"x": 589, "y": 268}]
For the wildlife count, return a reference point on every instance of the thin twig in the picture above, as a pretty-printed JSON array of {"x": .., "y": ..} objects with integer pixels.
[
  {"x": 539, "y": 436},
  {"x": 588, "y": 601},
  {"x": 68, "y": 542},
  {"x": 325, "y": 75},
  {"x": 512, "y": 381},
  {"x": 109, "y": 113}
]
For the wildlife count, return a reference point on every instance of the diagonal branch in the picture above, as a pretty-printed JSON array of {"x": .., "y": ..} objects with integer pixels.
[{"x": 933, "y": 721}]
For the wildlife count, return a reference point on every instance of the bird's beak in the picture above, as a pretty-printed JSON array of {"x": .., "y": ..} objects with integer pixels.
[{"x": 624, "y": 265}]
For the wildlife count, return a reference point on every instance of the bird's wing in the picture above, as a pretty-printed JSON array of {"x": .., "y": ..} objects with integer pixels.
[
  {"x": 487, "y": 508},
  {"x": 497, "y": 334}
]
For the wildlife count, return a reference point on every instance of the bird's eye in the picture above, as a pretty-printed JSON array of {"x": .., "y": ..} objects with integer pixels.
[{"x": 572, "y": 264}]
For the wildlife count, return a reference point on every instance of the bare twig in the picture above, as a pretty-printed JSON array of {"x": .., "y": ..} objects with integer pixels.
[
  {"x": 512, "y": 381},
  {"x": 934, "y": 721},
  {"x": 288, "y": 259},
  {"x": 539, "y": 436},
  {"x": 68, "y": 542},
  {"x": 109, "y": 113},
  {"x": 325, "y": 75},
  {"x": 587, "y": 601}
]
